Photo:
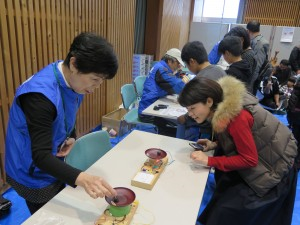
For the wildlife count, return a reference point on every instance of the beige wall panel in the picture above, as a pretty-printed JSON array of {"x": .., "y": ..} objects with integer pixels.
[
  {"x": 93, "y": 106},
  {"x": 167, "y": 25},
  {"x": 185, "y": 23},
  {"x": 171, "y": 25},
  {"x": 120, "y": 32}
]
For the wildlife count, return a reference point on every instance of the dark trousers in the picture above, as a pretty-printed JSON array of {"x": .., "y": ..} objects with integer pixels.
[
  {"x": 165, "y": 127},
  {"x": 269, "y": 102},
  {"x": 234, "y": 203},
  {"x": 33, "y": 207},
  {"x": 255, "y": 86},
  {"x": 296, "y": 133}
]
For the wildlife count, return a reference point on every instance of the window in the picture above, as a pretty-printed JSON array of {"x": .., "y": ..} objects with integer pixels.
[{"x": 219, "y": 11}]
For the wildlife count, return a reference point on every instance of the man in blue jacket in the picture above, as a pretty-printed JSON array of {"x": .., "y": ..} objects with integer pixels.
[{"x": 162, "y": 81}]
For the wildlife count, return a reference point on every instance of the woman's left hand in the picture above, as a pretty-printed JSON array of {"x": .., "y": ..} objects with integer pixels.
[
  {"x": 66, "y": 147},
  {"x": 200, "y": 157}
]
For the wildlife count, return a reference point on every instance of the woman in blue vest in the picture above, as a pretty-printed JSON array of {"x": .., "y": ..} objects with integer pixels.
[{"x": 41, "y": 126}]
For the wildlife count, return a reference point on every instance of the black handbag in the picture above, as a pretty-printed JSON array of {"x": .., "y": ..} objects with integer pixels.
[{"x": 4, "y": 205}]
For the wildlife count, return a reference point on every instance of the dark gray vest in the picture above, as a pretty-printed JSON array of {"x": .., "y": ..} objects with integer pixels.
[{"x": 275, "y": 144}]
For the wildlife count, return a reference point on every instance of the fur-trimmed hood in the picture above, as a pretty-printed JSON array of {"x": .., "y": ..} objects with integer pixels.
[
  {"x": 276, "y": 147},
  {"x": 234, "y": 92}
]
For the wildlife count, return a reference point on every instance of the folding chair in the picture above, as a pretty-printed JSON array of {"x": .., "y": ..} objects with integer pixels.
[
  {"x": 139, "y": 85},
  {"x": 88, "y": 149},
  {"x": 129, "y": 98}
]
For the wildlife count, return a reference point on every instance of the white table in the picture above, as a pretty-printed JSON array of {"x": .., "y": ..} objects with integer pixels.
[
  {"x": 173, "y": 111},
  {"x": 175, "y": 198}
]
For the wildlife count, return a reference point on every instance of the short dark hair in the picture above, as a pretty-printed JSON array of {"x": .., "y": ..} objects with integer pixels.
[
  {"x": 285, "y": 62},
  {"x": 231, "y": 44},
  {"x": 199, "y": 90},
  {"x": 241, "y": 32},
  {"x": 292, "y": 79},
  {"x": 253, "y": 26},
  {"x": 194, "y": 50},
  {"x": 93, "y": 54}
]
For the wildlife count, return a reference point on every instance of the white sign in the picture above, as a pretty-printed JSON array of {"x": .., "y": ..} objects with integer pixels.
[
  {"x": 144, "y": 177},
  {"x": 287, "y": 34}
]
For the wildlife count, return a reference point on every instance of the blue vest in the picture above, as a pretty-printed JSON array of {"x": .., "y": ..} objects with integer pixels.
[
  {"x": 18, "y": 158},
  {"x": 152, "y": 91}
]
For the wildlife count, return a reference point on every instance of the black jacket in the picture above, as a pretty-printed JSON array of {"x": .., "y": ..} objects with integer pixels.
[
  {"x": 242, "y": 71},
  {"x": 248, "y": 55},
  {"x": 295, "y": 59},
  {"x": 293, "y": 109}
]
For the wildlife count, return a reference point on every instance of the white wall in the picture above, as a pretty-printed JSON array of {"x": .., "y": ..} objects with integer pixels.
[
  {"x": 283, "y": 47},
  {"x": 211, "y": 33},
  {"x": 208, "y": 33}
]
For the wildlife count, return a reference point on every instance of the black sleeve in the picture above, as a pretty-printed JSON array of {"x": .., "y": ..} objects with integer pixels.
[
  {"x": 294, "y": 100},
  {"x": 73, "y": 133},
  {"x": 163, "y": 84},
  {"x": 40, "y": 114},
  {"x": 264, "y": 83},
  {"x": 189, "y": 121},
  {"x": 275, "y": 87},
  {"x": 294, "y": 59}
]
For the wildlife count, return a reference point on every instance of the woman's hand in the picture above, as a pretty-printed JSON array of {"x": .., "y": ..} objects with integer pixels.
[
  {"x": 199, "y": 157},
  {"x": 207, "y": 144},
  {"x": 95, "y": 186},
  {"x": 66, "y": 147}
]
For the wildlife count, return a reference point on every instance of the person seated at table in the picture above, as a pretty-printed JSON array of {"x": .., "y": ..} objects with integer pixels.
[
  {"x": 254, "y": 155},
  {"x": 270, "y": 91},
  {"x": 285, "y": 92},
  {"x": 195, "y": 57},
  {"x": 231, "y": 49},
  {"x": 282, "y": 72},
  {"x": 41, "y": 127},
  {"x": 162, "y": 81}
]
